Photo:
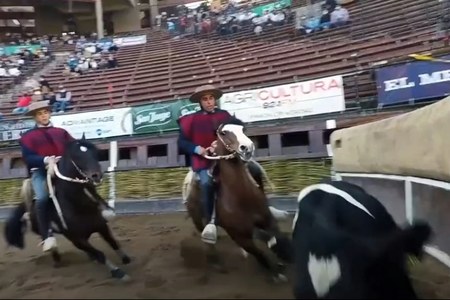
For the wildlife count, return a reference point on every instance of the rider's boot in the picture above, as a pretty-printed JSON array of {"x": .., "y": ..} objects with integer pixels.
[
  {"x": 48, "y": 241},
  {"x": 209, "y": 234}
]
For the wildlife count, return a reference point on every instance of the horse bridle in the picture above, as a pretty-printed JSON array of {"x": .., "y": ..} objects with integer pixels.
[
  {"x": 69, "y": 179},
  {"x": 227, "y": 156}
]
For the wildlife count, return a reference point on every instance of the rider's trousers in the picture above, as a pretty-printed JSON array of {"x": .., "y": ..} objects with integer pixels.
[
  {"x": 207, "y": 193},
  {"x": 39, "y": 183}
]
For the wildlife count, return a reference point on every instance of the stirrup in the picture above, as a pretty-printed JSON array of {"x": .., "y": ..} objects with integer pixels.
[{"x": 209, "y": 234}]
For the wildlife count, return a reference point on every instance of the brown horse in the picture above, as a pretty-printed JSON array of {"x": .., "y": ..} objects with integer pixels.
[{"x": 241, "y": 206}]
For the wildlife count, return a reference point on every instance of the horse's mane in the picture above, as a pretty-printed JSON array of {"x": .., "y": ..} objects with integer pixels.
[
  {"x": 234, "y": 121},
  {"x": 79, "y": 142}
]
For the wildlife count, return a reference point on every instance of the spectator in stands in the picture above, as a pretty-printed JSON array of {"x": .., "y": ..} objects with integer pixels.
[
  {"x": 112, "y": 61},
  {"x": 37, "y": 95},
  {"x": 73, "y": 64},
  {"x": 258, "y": 30},
  {"x": 63, "y": 100},
  {"x": 171, "y": 27},
  {"x": 44, "y": 84},
  {"x": 277, "y": 18},
  {"x": 330, "y": 5},
  {"x": 22, "y": 104},
  {"x": 30, "y": 84},
  {"x": 312, "y": 24},
  {"x": 50, "y": 97},
  {"x": 325, "y": 20},
  {"x": 339, "y": 16}
]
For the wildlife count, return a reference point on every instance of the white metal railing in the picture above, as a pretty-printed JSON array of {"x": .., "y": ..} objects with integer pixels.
[{"x": 409, "y": 206}]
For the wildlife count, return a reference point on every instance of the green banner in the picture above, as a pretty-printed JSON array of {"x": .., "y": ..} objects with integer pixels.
[
  {"x": 259, "y": 10},
  {"x": 160, "y": 117},
  {"x": 9, "y": 50}
]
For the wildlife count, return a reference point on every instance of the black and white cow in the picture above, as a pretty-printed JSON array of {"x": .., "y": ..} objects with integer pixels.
[{"x": 348, "y": 246}]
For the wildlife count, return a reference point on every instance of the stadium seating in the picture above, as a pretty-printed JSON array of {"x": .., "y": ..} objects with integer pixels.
[{"x": 165, "y": 69}]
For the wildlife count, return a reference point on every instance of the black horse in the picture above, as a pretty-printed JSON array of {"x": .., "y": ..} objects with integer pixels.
[{"x": 76, "y": 174}]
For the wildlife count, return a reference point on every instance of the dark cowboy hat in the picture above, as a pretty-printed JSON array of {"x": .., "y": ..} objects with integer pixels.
[
  {"x": 204, "y": 90},
  {"x": 35, "y": 106}
]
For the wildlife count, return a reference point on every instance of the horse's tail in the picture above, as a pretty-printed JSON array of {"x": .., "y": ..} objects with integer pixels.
[
  {"x": 265, "y": 176},
  {"x": 15, "y": 227}
]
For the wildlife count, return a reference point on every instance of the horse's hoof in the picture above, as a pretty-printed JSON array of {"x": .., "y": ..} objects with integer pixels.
[
  {"x": 126, "y": 260},
  {"x": 279, "y": 278},
  {"x": 91, "y": 257},
  {"x": 119, "y": 274}
]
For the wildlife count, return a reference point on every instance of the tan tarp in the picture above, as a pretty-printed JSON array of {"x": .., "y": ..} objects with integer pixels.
[{"x": 415, "y": 144}]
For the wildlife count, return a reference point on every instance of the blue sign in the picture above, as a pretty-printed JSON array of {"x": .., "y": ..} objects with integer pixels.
[{"x": 413, "y": 81}]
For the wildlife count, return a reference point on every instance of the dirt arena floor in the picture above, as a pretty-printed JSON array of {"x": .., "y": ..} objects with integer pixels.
[{"x": 167, "y": 263}]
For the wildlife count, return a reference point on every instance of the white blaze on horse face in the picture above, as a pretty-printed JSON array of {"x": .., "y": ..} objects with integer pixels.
[
  {"x": 246, "y": 145},
  {"x": 324, "y": 273},
  {"x": 83, "y": 149}
]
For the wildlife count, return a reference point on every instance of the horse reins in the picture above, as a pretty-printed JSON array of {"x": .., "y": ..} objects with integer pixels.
[
  {"x": 218, "y": 157},
  {"x": 54, "y": 168}
]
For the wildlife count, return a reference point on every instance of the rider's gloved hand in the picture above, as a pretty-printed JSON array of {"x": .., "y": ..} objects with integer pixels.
[
  {"x": 200, "y": 150},
  {"x": 49, "y": 160}
]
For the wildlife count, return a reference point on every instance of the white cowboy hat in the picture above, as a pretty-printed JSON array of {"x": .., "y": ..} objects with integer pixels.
[
  {"x": 35, "y": 106},
  {"x": 203, "y": 90}
]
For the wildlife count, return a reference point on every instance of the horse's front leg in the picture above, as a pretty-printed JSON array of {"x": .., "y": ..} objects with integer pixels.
[
  {"x": 56, "y": 258},
  {"x": 84, "y": 245},
  {"x": 107, "y": 235}
]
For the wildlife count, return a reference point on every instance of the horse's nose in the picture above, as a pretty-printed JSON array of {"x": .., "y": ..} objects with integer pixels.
[
  {"x": 96, "y": 177},
  {"x": 243, "y": 148}
]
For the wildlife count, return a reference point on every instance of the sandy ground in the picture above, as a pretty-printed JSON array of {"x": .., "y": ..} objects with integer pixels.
[{"x": 167, "y": 263}]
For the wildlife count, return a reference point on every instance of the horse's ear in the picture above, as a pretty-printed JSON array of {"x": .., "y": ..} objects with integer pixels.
[
  {"x": 83, "y": 137},
  {"x": 219, "y": 130}
]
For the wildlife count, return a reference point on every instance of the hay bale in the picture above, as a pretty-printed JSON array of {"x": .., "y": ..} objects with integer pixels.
[{"x": 288, "y": 177}]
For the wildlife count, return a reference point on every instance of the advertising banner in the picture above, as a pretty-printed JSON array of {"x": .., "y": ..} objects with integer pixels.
[
  {"x": 12, "y": 130},
  {"x": 10, "y": 50},
  {"x": 130, "y": 40},
  {"x": 160, "y": 117},
  {"x": 96, "y": 124},
  {"x": 259, "y": 10},
  {"x": 298, "y": 99},
  {"x": 413, "y": 81}
]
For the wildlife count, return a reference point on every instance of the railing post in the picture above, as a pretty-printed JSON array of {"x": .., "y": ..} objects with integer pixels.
[
  {"x": 409, "y": 205},
  {"x": 113, "y": 158}
]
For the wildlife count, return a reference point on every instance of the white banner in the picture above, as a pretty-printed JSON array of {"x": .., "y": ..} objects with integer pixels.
[
  {"x": 298, "y": 99},
  {"x": 130, "y": 40},
  {"x": 96, "y": 124}
]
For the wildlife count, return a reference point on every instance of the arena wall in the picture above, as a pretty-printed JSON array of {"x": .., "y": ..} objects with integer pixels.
[{"x": 410, "y": 144}]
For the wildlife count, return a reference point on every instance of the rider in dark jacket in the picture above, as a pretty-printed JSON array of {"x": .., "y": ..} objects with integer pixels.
[
  {"x": 197, "y": 132},
  {"x": 41, "y": 146}
]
